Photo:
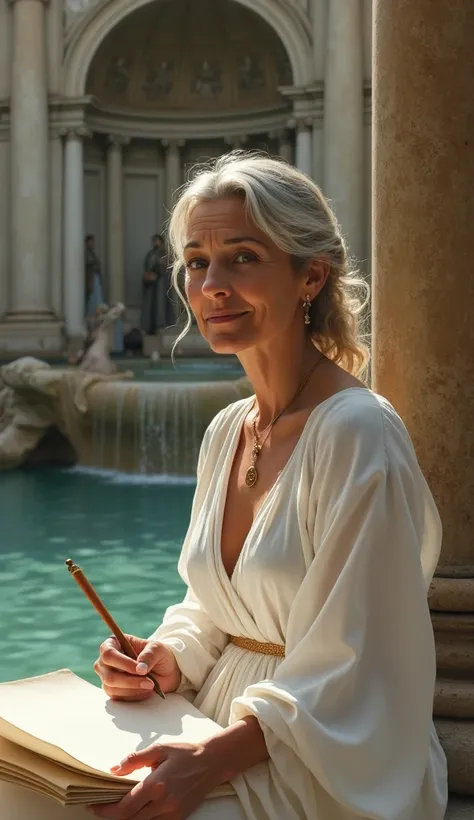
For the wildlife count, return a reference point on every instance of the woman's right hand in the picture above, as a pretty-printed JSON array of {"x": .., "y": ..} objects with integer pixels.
[{"x": 125, "y": 679}]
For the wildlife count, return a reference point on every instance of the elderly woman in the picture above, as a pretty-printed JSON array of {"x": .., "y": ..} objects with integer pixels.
[{"x": 305, "y": 632}]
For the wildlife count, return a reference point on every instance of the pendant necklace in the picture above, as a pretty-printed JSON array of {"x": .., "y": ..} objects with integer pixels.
[{"x": 251, "y": 476}]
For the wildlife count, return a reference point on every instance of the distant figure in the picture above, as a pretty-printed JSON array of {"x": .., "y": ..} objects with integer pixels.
[
  {"x": 157, "y": 308},
  {"x": 94, "y": 288}
]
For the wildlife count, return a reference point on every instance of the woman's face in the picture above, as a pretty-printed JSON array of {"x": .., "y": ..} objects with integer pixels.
[{"x": 242, "y": 288}]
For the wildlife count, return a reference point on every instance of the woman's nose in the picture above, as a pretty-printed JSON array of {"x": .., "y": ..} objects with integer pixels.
[{"x": 216, "y": 282}]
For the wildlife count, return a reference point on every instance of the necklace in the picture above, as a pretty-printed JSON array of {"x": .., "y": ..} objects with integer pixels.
[{"x": 251, "y": 476}]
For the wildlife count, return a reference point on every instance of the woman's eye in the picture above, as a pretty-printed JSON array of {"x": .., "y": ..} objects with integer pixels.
[
  {"x": 245, "y": 257},
  {"x": 196, "y": 264}
]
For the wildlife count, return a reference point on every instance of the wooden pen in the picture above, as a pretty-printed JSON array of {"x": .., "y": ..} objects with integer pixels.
[{"x": 102, "y": 610}]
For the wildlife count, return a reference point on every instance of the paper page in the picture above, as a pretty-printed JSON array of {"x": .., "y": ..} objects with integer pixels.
[
  {"x": 63, "y": 717},
  {"x": 19, "y": 804}
]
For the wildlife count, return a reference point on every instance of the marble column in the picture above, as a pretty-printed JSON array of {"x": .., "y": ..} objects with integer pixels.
[
  {"x": 343, "y": 119},
  {"x": 285, "y": 145},
  {"x": 30, "y": 286},
  {"x": 173, "y": 170},
  {"x": 74, "y": 263},
  {"x": 424, "y": 310},
  {"x": 56, "y": 157},
  {"x": 115, "y": 221},
  {"x": 304, "y": 147},
  {"x": 4, "y": 223}
]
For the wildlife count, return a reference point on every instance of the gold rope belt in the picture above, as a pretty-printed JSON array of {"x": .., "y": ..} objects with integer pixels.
[{"x": 255, "y": 646}]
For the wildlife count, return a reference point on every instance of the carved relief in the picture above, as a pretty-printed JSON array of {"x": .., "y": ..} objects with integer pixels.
[
  {"x": 167, "y": 56},
  {"x": 158, "y": 81},
  {"x": 118, "y": 76},
  {"x": 208, "y": 81},
  {"x": 250, "y": 76}
]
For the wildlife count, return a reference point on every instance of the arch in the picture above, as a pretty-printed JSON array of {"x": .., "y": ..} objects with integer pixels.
[{"x": 284, "y": 16}]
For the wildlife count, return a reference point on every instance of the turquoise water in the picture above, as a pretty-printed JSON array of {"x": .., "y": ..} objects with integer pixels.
[
  {"x": 188, "y": 370},
  {"x": 124, "y": 531}
]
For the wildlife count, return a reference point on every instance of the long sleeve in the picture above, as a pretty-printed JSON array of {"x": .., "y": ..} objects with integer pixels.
[
  {"x": 352, "y": 700},
  {"x": 187, "y": 628}
]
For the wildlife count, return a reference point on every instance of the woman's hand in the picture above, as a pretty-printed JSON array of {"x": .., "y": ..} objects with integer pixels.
[
  {"x": 125, "y": 679},
  {"x": 182, "y": 777}
]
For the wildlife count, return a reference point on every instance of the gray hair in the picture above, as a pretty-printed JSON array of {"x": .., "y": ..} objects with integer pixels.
[{"x": 292, "y": 211}]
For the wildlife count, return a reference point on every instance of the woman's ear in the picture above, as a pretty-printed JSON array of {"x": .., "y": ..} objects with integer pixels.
[{"x": 316, "y": 274}]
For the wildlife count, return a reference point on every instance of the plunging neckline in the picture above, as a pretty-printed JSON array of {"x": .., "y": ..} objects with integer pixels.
[{"x": 229, "y": 463}]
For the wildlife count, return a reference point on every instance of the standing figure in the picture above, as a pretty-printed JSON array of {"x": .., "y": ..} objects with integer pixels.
[
  {"x": 94, "y": 288},
  {"x": 157, "y": 309}
]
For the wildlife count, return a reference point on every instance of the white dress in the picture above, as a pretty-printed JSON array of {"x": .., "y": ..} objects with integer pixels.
[{"x": 336, "y": 566}]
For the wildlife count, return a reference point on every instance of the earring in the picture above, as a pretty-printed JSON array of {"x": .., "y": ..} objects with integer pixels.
[{"x": 307, "y": 309}]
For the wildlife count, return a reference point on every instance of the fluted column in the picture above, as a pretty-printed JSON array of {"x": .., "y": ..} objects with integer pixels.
[
  {"x": 424, "y": 309},
  {"x": 56, "y": 157},
  {"x": 115, "y": 220},
  {"x": 30, "y": 286},
  {"x": 304, "y": 147},
  {"x": 74, "y": 264},
  {"x": 173, "y": 169},
  {"x": 343, "y": 119}
]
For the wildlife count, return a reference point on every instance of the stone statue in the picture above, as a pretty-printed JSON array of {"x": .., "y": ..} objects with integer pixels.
[
  {"x": 208, "y": 81},
  {"x": 118, "y": 76},
  {"x": 250, "y": 75},
  {"x": 95, "y": 355},
  {"x": 159, "y": 81}
]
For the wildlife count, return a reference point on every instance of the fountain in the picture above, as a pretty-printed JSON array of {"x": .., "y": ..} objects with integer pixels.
[{"x": 107, "y": 418}]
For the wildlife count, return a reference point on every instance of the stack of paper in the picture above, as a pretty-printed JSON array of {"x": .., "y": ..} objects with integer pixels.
[{"x": 59, "y": 736}]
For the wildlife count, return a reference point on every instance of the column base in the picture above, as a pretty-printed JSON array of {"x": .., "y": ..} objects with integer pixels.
[
  {"x": 33, "y": 333},
  {"x": 460, "y": 809}
]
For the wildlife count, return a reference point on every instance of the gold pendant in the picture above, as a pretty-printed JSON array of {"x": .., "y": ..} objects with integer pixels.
[{"x": 251, "y": 476}]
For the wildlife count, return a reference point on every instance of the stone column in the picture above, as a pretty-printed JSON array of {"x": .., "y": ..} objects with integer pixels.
[
  {"x": 424, "y": 310},
  {"x": 343, "y": 119},
  {"x": 304, "y": 147},
  {"x": 115, "y": 220},
  {"x": 173, "y": 170},
  {"x": 74, "y": 263},
  {"x": 56, "y": 157},
  {"x": 30, "y": 287},
  {"x": 285, "y": 145},
  {"x": 4, "y": 223}
]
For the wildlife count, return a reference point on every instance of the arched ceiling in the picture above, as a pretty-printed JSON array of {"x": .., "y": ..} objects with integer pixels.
[{"x": 190, "y": 55}]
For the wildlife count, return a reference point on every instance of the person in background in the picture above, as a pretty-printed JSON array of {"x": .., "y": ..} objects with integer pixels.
[
  {"x": 94, "y": 285},
  {"x": 157, "y": 308}
]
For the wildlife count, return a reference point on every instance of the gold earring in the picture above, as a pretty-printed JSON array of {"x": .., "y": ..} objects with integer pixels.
[{"x": 307, "y": 309}]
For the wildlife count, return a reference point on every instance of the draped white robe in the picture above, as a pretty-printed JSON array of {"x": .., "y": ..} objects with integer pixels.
[{"x": 336, "y": 566}]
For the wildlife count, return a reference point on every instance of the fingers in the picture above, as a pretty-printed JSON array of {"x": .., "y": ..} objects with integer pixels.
[
  {"x": 149, "y": 657},
  {"x": 111, "y": 655},
  {"x": 152, "y": 756},
  {"x": 118, "y": 675}
]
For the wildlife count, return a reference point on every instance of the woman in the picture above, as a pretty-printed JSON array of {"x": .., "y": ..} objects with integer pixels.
[{"x": 305, "y": 631}]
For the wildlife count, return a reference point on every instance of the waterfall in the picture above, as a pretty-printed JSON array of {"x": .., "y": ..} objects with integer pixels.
[{"x": 155, "y": 428}]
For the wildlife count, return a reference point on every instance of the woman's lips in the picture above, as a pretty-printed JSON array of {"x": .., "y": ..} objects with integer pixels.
[{"x": 224, "y": 318}]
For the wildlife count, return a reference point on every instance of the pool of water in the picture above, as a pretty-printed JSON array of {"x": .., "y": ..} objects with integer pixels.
[
  {"x": 124, "y": 531},
  {"x": 184, "y": 370}
]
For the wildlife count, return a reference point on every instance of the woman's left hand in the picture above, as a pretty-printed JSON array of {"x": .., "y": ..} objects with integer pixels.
[{"x": 182, "y": 777}]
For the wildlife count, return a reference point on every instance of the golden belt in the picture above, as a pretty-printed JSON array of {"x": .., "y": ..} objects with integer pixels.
[{"x": 256, "y": 646}]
